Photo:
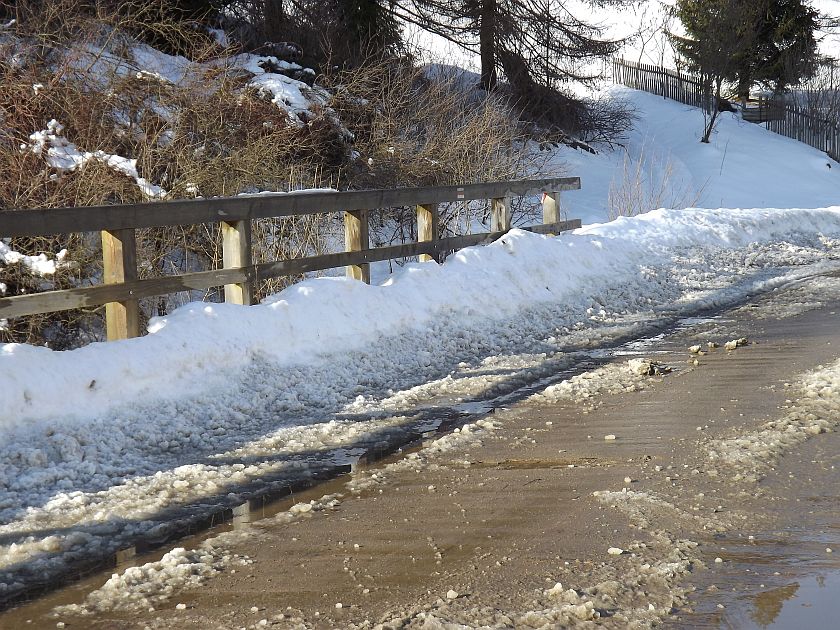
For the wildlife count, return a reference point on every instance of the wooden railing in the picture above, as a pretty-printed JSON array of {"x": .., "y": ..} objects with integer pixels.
[
  {"x": 122, "y": 289},
  {"x": 672, "y": 84}
]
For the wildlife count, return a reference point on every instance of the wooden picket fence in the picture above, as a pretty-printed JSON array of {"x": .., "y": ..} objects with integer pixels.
[
  {"x": 800, "y": 124},
  {"x": 121, "y": 288},
  {"x": 779, "y": 117},
  {"x": 672, "y": 84}
]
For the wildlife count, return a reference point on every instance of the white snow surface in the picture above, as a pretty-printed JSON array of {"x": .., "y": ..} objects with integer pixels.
[
  {"x": 108, "y": 442},
  {"x": 744, "y": 165}
]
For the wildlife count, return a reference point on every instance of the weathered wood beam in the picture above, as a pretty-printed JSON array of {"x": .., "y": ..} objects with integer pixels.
[
  {"x": 48, "y": 221},
  {"x": 554, "y": 228},
  {"x": 551, "y": 208},
  {"x": 500, "y": 214},
  {"x": 356, "y": 239},
  {"x": 236, "y": 253},
  {"x": 427, "y": 227}
]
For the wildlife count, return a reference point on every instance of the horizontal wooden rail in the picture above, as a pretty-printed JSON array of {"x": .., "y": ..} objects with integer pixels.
[
  {"x": 122, "y": 290},
  {"x": 85, "y": 297},
  {"x": 48, "y": 221}
]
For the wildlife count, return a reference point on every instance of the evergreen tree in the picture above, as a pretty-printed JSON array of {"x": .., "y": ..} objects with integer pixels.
[
  {"x": 362, "y": 29},
  {"x": 745, "y": 43},
  {"x": 538, "y": 44},
  {"x": 786, "y": 48},
  {"x": 749, "y": 42},
  {"x": 545, "y": 34}
]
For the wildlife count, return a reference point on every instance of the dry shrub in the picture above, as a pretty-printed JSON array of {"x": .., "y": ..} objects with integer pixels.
[
  {"x": 207, "y": 135},
  {"x": 211, "y": 135},
  {"x": 51, "y": 24},
  {"x": 649, "y": 183},
  {"x": 426, "y": 127},
  {"x": 421, "y": 130}
]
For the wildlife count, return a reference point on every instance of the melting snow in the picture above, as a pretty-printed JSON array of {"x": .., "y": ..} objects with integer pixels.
[
  {"x": 62, "y": 155},
  {"x": 221, "y": 396}
]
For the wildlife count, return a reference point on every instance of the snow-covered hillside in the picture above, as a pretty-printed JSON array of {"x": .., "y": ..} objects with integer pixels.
[
  {"x": 103, "y": 444},
  {"x": 664, "y": 164}
]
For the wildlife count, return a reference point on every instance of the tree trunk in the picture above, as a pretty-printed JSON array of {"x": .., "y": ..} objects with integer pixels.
[
  {"x": 487, "y": 44},
  {"x": 713, "y": 114}
]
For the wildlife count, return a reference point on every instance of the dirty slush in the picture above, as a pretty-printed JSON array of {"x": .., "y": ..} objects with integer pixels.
[{"x": 686, "y": 481}]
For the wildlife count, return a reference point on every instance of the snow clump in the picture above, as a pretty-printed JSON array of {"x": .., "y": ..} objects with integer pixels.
[
  {"x": 816, "y": 410},
  {"x": 613, "y": 378}
]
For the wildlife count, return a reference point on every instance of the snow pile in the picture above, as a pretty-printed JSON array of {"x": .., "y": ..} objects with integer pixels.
[
  {"x": 816, "y": 410},
  {"x": 63, "y": 156},
  {"x": 460, "y": 439},
  {"x": 808, "y": 296},
  {"x": 147, "y": 586},
  {"x": 647, "y": 508},
  {"x": 292, "y": 95},
  {"x": 629, "y": 593},
  {"x": 629, "y": 376},
  {"x": 569, "y": 608},
  {"x": 491, "y": 375}
]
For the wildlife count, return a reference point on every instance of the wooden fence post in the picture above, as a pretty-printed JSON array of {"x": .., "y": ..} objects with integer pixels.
[
  {"x": 119, "y": 258},
  {"x": 356, "y": 239},
  {"x": 500, "y": 215},
  {"x": 551, "y": 208},
  {"x": 236, "y": 252},
  {"x": 427, "y": 227}
]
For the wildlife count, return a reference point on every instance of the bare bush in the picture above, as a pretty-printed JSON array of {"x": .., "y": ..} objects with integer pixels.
[
  {"x": 416, "y": 127},
  {"x": 820, "y": 95},
  {"x": 206, "y": 135},
  {"x": 210, "y": 134},
  {"x": 648, "y": 183}
]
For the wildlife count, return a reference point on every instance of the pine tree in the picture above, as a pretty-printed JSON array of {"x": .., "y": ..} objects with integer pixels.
[
  {"x": 540, "y": 45},
  {"x": 744, "y": 43},
  {"x": 770, "y": 43},
  {"x": 362, "y": 29},
  {"x": 786, "y": 48}
]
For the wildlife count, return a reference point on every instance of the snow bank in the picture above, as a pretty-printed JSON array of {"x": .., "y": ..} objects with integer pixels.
[
  {"x": 630, "y": 376},
  {"x": 202, "y": 345}
]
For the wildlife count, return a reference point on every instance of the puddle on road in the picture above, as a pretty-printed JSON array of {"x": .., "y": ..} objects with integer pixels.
[
  {"x": 803, "y": 596},
  {"x": 813, "y": 602}
]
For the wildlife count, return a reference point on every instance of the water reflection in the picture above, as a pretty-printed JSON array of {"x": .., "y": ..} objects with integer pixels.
[
  {"x": 811, "y": 602},
  {"x": 768, "y": 604}
]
